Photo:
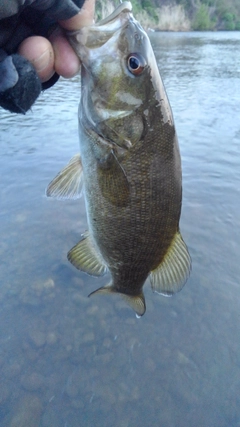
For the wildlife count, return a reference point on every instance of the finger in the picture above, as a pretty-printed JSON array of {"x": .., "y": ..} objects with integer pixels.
[
  {"x": 40, "y": 53},
  {"x": 66, "y": 63},
  {"x": 83, "y": 18}
]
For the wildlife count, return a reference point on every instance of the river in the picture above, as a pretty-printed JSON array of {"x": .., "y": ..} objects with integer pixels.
[{"x": 70, "y": 361}]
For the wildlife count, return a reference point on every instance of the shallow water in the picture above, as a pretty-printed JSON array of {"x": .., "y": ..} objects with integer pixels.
[{"x": 70, "y": 361}]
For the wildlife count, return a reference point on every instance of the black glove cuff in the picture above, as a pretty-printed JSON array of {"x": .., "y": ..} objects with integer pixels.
[
  {"x": 20, "y": 97},
  {"x": 50, "y": 82}
]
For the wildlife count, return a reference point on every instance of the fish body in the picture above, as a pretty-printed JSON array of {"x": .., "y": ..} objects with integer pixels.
[{"x": 129, "y": 164}]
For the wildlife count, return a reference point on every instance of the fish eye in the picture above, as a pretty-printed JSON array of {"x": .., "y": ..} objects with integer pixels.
[{"x": 136, "y": 63}]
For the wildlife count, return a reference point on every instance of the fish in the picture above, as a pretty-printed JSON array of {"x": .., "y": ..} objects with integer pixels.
[{"x": 129, "y": 166}]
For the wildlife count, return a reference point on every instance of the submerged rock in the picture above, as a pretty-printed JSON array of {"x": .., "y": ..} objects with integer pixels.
[
  {"x": 51, "y": 338},
  {"x": 35, "y": 293},
  {"x": 28, "y": 412},
  {"x": 5, "y": 393},
  {"x": 32, "y": 382},
  {"x": 12, "y": 370},
  {"x": 37, "y": 338}
]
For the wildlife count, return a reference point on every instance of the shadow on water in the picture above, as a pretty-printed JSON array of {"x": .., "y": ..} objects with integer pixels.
[{"x": 70, "y": 361}]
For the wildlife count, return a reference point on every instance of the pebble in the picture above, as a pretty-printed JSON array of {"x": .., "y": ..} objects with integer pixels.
[
  {"x": 77, "y": 404},
  {"x": 43, "y": 288},
  {"x": 182, "y": 358},
  {"x": 90, "y": 336},
  {"x": 80, "y": 338},
  {"x": 31, "y": 353},
  {"x": 49, "y": 284},
  {"x": 131, "y": 321},
  {"x": 107, "y": 343},
  {"x": 37, "y": 338},
  {"x": 22, "y": 217},
  {"x": 71, "y": 389},
  {"x": 135, "y": 394},
  {"x": 52, "y": 418},
  {"x": 107, "y": 395},
  {"x": 28, "y": 412},
  {"x": 93, "y": 310},
  {"x": 27, "y": 298},
  {"x": 103, "y": 359},
  {"x": 150, "y": 365},
  {"x": 51, "y": 338},
  {"x": 69, "y": 348},
  {"x": 31, "y": 295},
  {"x": 77, "y": 282},
  {"x": 79, "y": 299}
]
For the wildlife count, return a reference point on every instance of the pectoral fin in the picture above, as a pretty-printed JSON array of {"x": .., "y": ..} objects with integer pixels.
[
  {"x": 68, "y": 183},
  {"x": 113, "y": 182},
  {"x": 171, "y": 275},
  {"x": 84, "y": 257},
  {"x": 136, "y": 302}
]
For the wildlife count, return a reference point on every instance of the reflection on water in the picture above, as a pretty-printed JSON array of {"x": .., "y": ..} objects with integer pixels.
[{"x": 67, "y": 361}]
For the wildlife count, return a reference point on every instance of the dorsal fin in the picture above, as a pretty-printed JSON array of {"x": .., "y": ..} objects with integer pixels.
[
  {"x": 68, "y": 182},
  {"x": 85, "y": 257},
  {"x": 171, "y": 275}
]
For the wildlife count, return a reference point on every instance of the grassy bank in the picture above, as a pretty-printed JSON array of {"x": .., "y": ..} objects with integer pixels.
[{"x": 180, "y": 15}]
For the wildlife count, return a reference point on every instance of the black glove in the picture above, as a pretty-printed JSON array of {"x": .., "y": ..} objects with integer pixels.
[{"x": 19, "y": 83}]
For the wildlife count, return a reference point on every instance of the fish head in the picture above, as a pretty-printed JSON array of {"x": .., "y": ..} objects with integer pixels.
[{"x": 120, "y": 78}]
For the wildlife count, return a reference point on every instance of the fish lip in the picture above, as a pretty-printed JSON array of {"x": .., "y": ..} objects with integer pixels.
[{"x": 123, "y": 7}]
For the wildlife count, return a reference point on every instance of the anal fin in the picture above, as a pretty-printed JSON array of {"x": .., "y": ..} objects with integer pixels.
[
  {"x": 136, "y": 302},
  {"x": 84, "y": 257},
  {"x": 171, "y": 275},
  {"x": 68, "y": 182}
]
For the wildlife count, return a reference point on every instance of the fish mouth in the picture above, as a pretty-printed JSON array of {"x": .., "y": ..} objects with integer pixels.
[
  {"x": 94, "y": 36},
  {"x": 126, "y": 6}
]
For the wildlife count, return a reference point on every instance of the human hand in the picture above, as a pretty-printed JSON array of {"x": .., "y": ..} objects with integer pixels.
[
  {"x": 31, "y": 59},
  {"x": 56, "y": 54}
]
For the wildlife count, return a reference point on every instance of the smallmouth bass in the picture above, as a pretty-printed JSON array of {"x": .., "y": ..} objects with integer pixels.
[{"x": 129, "y": 164}]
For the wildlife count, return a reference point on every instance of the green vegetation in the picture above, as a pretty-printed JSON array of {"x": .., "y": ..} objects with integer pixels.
[
  {"x": 181, "y": 15},
  {"x": 202, "y": 20}
]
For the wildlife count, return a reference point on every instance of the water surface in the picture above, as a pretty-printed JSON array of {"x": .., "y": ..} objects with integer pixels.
[{"x": 70, "y": 361}]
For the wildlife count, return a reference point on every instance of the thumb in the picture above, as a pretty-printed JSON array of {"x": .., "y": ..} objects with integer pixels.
[{"x": 83, "y": 18}]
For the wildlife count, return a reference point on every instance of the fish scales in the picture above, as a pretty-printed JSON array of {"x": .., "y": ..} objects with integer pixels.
[{"x": 129, "y": 165}]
